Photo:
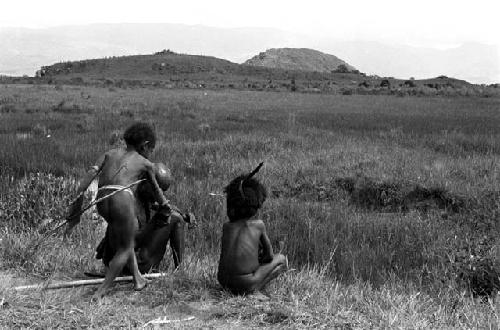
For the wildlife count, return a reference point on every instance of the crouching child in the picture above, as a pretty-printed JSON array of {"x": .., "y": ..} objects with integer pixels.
[{"x": 247, "y": 262}]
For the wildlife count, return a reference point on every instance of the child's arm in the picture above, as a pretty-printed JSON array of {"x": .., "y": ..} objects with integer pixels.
[
  {"x": 267, "y": 248},
  {"x": 74, "y": 212},
  {"x": 160, "y": 198}
]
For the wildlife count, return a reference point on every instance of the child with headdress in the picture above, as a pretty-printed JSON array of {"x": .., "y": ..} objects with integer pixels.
[{"x": 247, "y": 262}]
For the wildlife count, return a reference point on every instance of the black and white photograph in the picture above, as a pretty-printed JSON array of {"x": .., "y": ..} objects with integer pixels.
[{"x": 249, "y": 164}]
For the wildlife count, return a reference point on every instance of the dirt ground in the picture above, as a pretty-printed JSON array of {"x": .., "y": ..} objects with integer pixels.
[{"x": 162, "y": 305}]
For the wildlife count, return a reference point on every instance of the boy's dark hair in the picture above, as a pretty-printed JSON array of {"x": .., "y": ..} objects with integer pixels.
[
  {"x": 243, "y": 199},
  {"x": 138, "y": 133}
]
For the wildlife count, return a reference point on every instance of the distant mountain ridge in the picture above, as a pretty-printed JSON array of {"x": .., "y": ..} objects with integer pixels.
[
  {"x": 23, "y": 50},
  {"x": 301, "y": 59}
]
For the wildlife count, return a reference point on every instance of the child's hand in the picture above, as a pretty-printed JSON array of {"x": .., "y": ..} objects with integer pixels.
[
  {"x": 190, "y": 219},
  {"x": 73, "y": 216},
  {"x": 266, "y": 259},
  {"x": 164, "y": 208},
  {"x": 71, "y": 223},
  {"x": 75, "y": 209}
]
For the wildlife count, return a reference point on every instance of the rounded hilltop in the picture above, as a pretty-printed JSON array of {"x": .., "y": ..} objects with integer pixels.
[{"x": 300, "y": 59}]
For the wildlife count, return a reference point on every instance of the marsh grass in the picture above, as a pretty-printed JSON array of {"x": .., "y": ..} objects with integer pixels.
[{"x": 389, "y": 267}]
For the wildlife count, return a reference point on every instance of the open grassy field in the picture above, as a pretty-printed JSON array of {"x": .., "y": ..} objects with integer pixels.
[{"x": 388, "y": 206}]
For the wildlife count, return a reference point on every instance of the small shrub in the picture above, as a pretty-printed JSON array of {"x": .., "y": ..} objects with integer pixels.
[
  {"x": 346, "y": 91},
  {"x": 127, "y": 113},
  {"x": 476, "y": 269},
  {"x": 77, "y": 80},
  {"x": 63, "y": 107},
  {"x": 40, "y": 130},
  {"x": 342, "y": 68},
  {"x": 385, "y": 83},
  {"x": 410, "y": 83},
  {"x": 8, "y": 108}
]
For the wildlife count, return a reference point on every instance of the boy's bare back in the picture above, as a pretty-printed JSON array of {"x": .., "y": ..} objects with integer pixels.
[
  {"x": 123, "y": 167},
  {"x": 240, "y": 246}
]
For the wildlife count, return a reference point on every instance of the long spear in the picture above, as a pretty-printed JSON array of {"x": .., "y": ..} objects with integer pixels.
[{"x": 73, "y": 284}]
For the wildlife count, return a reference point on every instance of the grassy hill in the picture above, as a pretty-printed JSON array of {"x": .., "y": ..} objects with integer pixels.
[
  {"x": 167, "y": 69},
  {"x": 303, "y": 59},
  {"x": 166, "y": 64},
  {"x": 173, "y": 70}
]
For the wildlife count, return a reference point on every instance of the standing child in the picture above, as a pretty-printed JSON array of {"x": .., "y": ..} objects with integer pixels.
[
  {"x": 247, "y": 262},
  {"x": 119, "y": 171}
]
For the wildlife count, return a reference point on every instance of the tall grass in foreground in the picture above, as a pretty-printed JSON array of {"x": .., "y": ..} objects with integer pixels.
[
  {"x": 304, "y": 298},
  {"x": 209, "y": 138}
]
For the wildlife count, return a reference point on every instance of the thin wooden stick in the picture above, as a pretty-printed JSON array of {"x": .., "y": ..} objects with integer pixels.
[{"x": 73, "y": 284}]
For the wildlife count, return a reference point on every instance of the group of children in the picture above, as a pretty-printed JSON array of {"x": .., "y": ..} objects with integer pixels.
[{"x": 131, "y": 187}]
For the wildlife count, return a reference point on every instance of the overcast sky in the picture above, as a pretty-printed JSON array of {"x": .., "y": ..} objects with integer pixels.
[{"x": 436, "y": 23}]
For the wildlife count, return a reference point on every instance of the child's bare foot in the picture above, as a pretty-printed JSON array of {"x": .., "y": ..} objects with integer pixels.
[
  {"x": 141, "y": 283},
  {"x": 98, "y": 295}
]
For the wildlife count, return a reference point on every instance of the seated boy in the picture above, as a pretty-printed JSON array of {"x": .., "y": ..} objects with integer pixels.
[
  {"x": 119, "y": 171},
  {"x": 153, "y": 238},
  {"x": 247, "y": 262}
]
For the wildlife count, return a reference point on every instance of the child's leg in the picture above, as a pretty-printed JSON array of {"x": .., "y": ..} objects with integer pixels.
[
  {"x": 139, "y": 281},
  {"x": 177, "y": 238},
  {"x": 115, "y": 267},
  {"x": 248, "y": 283},
  {"x": 124, "y": 255},
  {"x": 119, "y": 213},
  {"x": 152, "y": 242},
  {"x": 270, "y": 271}
]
